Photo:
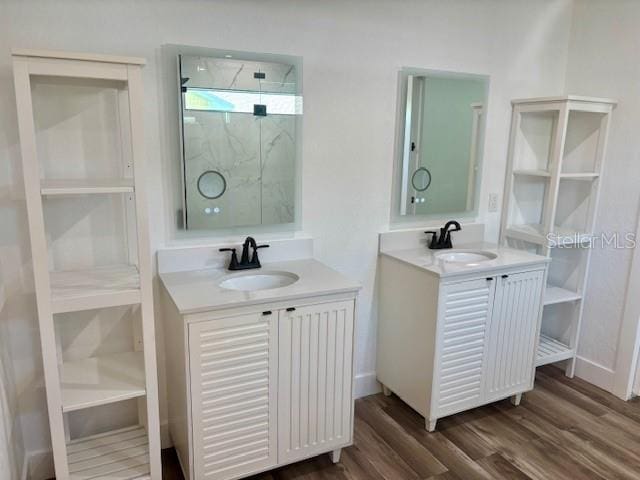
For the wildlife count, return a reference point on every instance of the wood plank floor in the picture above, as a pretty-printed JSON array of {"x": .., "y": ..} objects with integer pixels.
[{"x": 564, "y": 429}]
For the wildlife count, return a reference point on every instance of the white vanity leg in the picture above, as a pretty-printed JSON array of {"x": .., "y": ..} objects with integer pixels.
[
  {"x": 386, "y": 391},
  {"x": 515, "y": 399},
  {"x": 431, "y": 424},
  {"x": 570, "y": 368},
  {"x": 335, "y": 455}
]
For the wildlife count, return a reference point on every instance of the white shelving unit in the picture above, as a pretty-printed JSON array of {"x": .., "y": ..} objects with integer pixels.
[
  {"x": 556, "y": 157},
  {"x": 81, "y": 138}
]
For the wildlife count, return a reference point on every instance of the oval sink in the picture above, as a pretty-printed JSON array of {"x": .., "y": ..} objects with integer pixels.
[
  {"x": 466, "y": 256},
  {"x": 249, "y": 282}
]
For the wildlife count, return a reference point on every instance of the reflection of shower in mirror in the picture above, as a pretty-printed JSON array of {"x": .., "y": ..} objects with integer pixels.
[{"x": 240, "y": 124}]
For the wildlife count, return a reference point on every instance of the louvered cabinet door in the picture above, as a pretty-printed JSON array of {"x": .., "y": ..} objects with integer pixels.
[
  {"x": 315, "y": 380},
  {"x": 233, "y": 368},
  {"x": 513, "y": 334},
  {"x": 464, "y": 314}
]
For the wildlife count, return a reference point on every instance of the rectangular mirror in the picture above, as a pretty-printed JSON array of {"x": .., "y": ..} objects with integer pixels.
[
  {"x": 440, "y": 138},
  {"x": 240, "y": 126}
]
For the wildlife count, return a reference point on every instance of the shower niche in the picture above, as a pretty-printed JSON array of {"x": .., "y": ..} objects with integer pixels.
[{"x": 240, "y": 123}]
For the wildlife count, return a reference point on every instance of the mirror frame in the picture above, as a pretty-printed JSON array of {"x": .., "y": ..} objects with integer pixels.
[{"x": 400, "y": 176}]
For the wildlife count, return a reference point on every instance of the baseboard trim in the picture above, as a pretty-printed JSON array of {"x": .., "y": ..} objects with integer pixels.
[
  {"x": 24, "y": 475},
  {"x": 367, "y": 384},
  {"x": 594, "y": 373},
  {"x": 165, "y": 436},
  {"x": 39, "y": 465}
]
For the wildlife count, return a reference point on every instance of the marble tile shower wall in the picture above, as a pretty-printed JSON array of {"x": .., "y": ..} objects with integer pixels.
[{"x": 256, "y": 155}]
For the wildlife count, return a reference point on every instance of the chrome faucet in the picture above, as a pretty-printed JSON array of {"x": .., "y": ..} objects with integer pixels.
[
  {"x": 444, "y": 241},
  {"x": 245, "y": 263}
]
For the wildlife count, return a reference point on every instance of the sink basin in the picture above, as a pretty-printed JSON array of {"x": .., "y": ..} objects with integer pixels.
[
  {"x": 249, "y": 282},
  {"x": 466, "y": 256}
]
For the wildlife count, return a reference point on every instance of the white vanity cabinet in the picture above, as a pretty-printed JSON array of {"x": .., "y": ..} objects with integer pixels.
[
  {"x": 446, "y": 345},
  {"x": 252, "y": 388}
]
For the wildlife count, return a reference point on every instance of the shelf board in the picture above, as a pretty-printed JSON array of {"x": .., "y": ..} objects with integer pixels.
[
  {"x": 84, "y": 187},
  {"x": 553, "y": 295},
  {"x": 102, "y": 287},
  {"x": 118, "y": 455},
  {"x": 565, "y": 98},
  {"x": 532, "y": 173},
  {"x": 534, "y": 233},
  {"x": 551, "y": 351},
  {"x": 579, "y": 176},
  {"x": 569, "y": 236},
  {"x": 101, "y": 380}
]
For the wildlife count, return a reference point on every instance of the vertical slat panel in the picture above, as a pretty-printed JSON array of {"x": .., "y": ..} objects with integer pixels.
[
  {"x": 512, "y": 337},
  {"x": 347, "y": 377},
  {"x": 322, "y": 373},
  {"x": 294, "y": 387},
  {"x": 233, "y": 364},
  {"x": 331, "y": 375},
  {"x": 338, "y": 386},
  {"x": 314, "y": 332},
  {"x": 320, "y": 379},
  {"x": 304, "y": 381}
]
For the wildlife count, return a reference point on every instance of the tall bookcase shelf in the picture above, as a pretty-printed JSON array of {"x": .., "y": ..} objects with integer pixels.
[
  {"x": 81, "y": 139},
  {"x": 556, "y": 157},
  {"x": 86, "y": 187}
]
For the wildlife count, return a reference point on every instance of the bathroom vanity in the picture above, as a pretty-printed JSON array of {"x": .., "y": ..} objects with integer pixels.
[
  {"x": 458, "y": 328},
  {"x": 259, "y": 366}
]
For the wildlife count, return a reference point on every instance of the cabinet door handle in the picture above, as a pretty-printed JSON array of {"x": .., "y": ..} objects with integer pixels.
[
  {"x": 489, "y": 279},
  {"x": 505, "y": 276},
  {"x": 291, "y": 309},
  {"x": 268, "y": 312}
]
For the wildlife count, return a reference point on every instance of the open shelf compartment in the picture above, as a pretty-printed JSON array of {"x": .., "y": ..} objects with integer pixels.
[
  {"x": 583, "y": 137},
  {"x": 95, "y": 381},
  {"x": 535, "y": 140},
  {"x": 551, "y": 351},
  {"x": 100, "y": 287},
  {"x": 557, "y": 331},
  {"x": 118, "y": 455},
  {"x": 82, "y": 130},
  {"x": 527, "y": 208},
  {"x": 553, "y": 295},
  {"x": 566, "y": 275}
]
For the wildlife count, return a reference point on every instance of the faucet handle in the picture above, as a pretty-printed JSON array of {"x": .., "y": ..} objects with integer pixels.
[
  {"x": 254, "y": 257},
  {"x": 434, "y": 237},
  {"x": 233, "y": 264}
]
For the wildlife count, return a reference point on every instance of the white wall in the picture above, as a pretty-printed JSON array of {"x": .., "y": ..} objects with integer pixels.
[
  {"x": 11, "y": 444},
  {"x": 352, "y": 52},
  {"x": 14, "y": 320},
  {"x": 603, "y": 62}
]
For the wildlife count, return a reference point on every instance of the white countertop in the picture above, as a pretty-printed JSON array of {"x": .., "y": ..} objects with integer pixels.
[
  {"x": 506, "y": 257},
  {"x": 199, "y": 291}
]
